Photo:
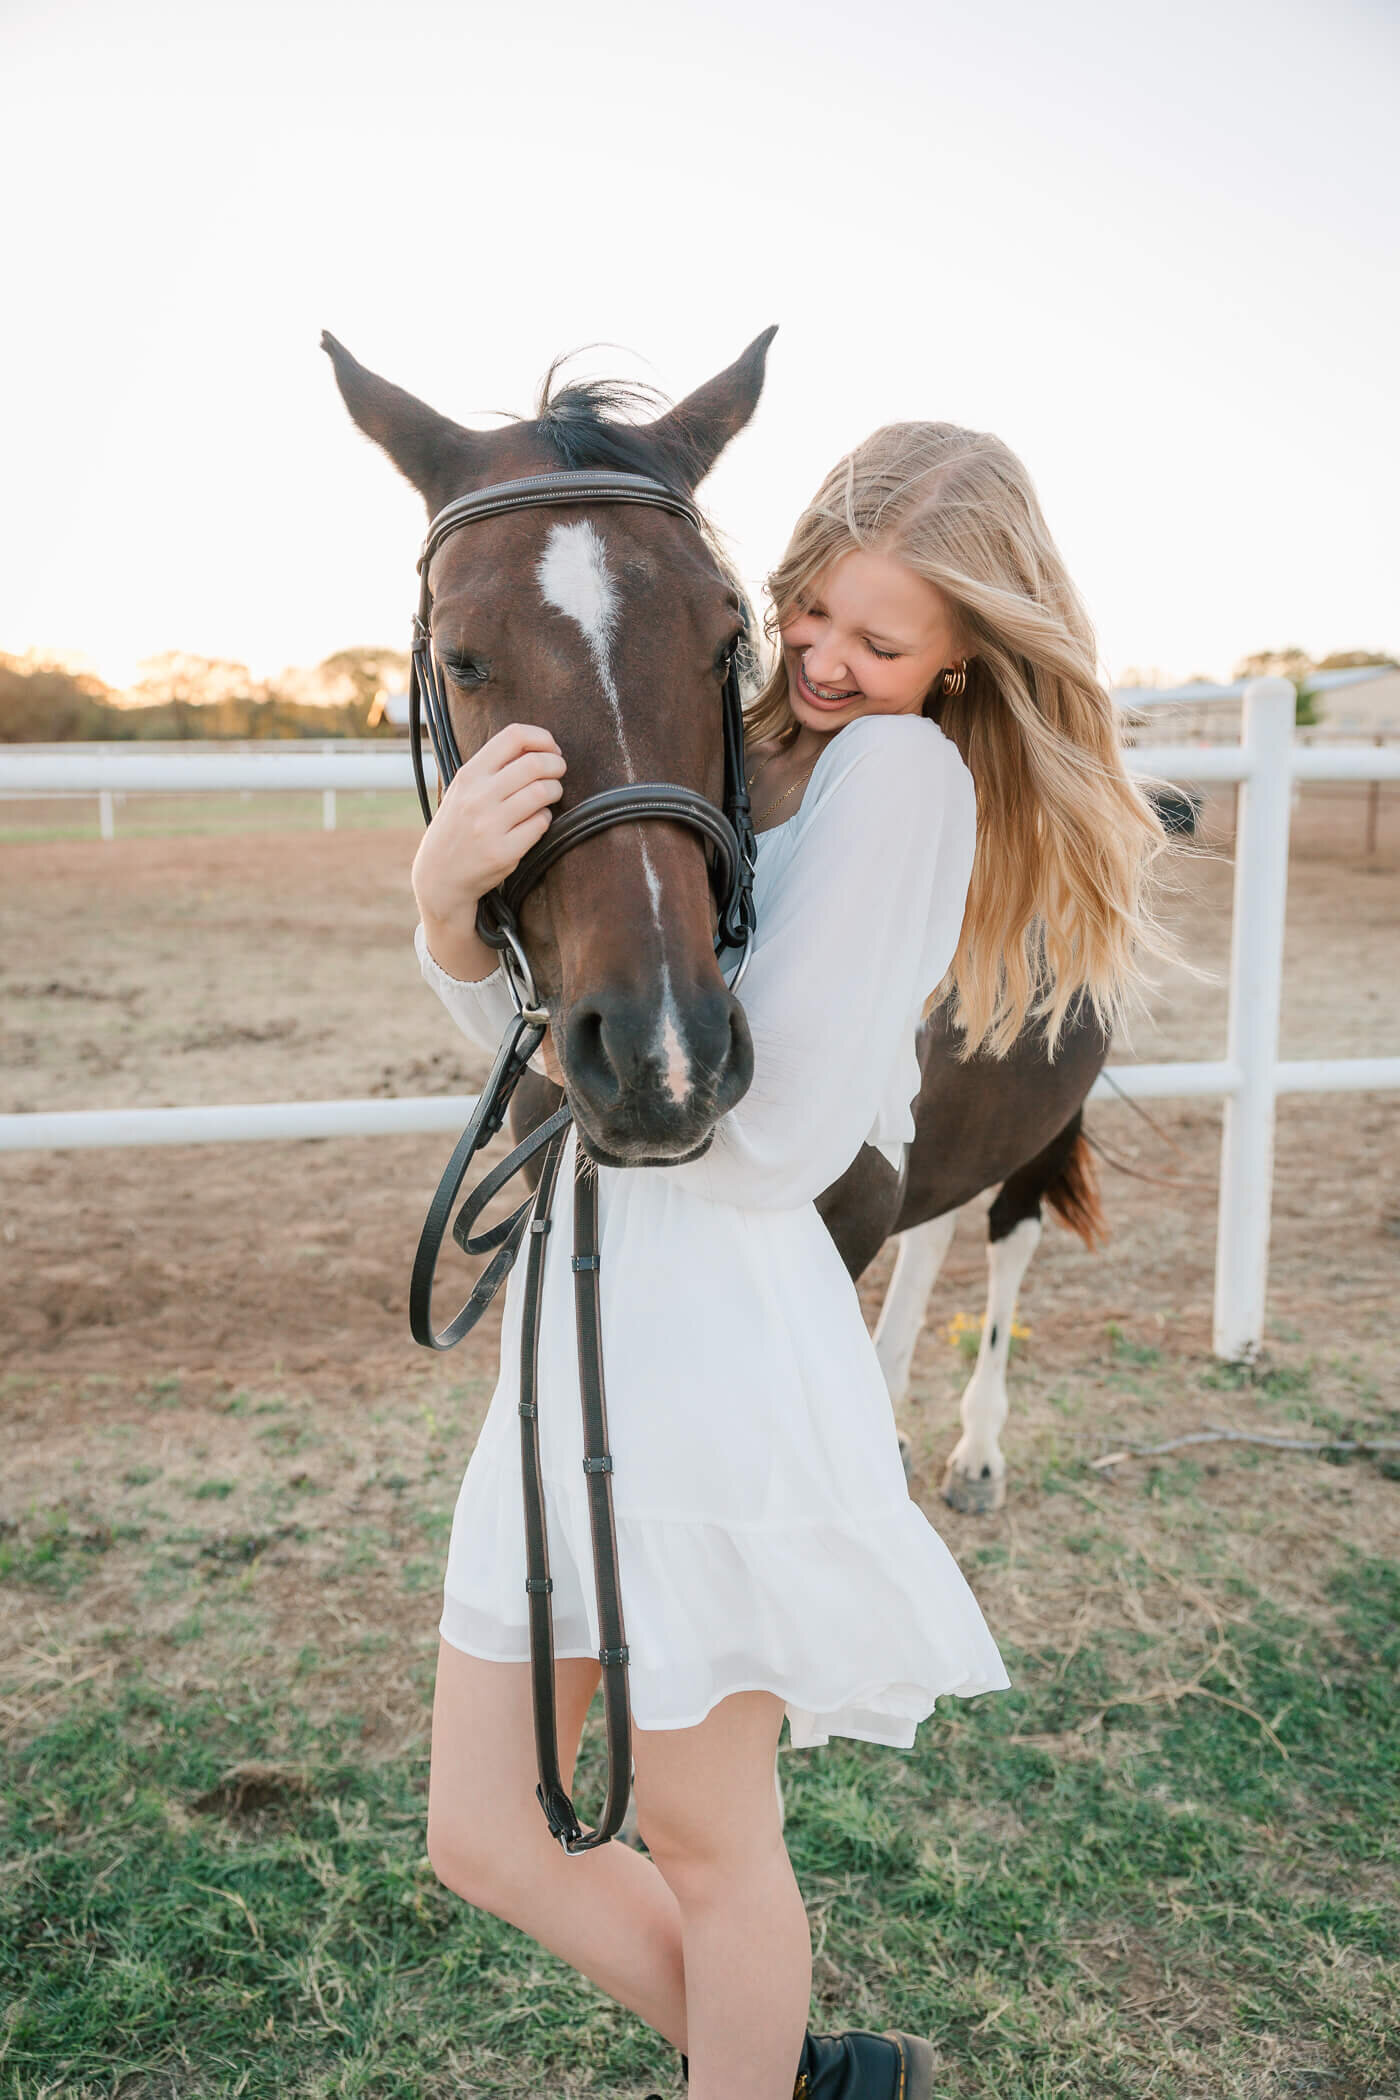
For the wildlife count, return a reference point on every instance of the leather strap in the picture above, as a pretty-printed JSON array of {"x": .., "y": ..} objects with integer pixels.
[
  {"x": 552, "y": 1794},
  {"x": 598, "y": 1470},
  {"x": 581, "y": 485},
  {"x": 521, "y": 1039},
  {"x": 648, "y": 798}
]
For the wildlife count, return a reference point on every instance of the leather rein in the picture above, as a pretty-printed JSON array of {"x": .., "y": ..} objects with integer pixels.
[{"x": 730, "y": 831}]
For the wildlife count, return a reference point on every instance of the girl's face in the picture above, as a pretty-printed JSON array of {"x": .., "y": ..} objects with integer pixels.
[{"x": 871, "y": 641}]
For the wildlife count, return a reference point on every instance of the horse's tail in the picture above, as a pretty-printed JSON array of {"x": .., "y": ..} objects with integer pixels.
[{"x": 1073, "y": 1193}]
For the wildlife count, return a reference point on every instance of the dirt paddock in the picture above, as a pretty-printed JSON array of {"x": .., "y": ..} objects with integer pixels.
[
  {"x": 146, "y": 1294},
  {"x": 238, "y": 968}
]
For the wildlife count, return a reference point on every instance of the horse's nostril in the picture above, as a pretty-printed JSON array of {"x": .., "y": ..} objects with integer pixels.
[
  {"x": 591, "y": 1068},
  {"x": 738, "y": 1065}
]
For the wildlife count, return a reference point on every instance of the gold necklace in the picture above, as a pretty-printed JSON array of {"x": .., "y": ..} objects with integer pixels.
[{"x": 802, "y": 782}]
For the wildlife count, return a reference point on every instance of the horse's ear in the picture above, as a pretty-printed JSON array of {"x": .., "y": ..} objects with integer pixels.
[
  {"x": 696, "y": 430},
  {"x": 427, "y": 449}
]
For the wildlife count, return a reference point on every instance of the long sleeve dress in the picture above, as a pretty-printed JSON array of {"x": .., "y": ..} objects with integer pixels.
[{"x": 766, "y": 1536}]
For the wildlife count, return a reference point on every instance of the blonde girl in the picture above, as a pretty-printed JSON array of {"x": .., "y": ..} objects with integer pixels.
[{"x": 942, "y": 811}]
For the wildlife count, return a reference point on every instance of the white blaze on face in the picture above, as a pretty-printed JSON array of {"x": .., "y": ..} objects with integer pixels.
[
  {"x": 573, "y": 574},
  {"x": 574, "y": 578}
]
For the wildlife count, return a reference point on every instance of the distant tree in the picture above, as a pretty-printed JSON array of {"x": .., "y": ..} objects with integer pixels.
[
  {"x": 1275, "y": 663},
  {"x": 370, "y": 670},
  {"x": 198, "y": 681},
  {"x": 342, "y": 690},
  {"x": 1298, "y": 666},
  {"x": 44, "y": 704},
  {"x": 1355, "y": 660},
  {"x": 181, "y": 697}
]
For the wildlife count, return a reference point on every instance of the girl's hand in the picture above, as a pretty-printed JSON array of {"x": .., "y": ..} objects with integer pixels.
[{"x": 493, "y": 811}]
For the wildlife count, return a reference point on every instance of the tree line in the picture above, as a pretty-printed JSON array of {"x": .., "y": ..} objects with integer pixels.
[{"x": 185, "y": 698}]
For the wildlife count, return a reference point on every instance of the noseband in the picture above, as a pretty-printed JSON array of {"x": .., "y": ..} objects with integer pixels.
[{"x": 730, "y": 831}]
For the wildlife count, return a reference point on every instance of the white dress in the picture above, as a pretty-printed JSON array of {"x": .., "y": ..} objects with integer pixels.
[{"x": 766, "y": 1536}]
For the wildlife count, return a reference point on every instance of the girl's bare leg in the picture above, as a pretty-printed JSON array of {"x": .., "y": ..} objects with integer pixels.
[
  {"x": 707, "y": 1808},
  {"x": 608, "y": 1913}
]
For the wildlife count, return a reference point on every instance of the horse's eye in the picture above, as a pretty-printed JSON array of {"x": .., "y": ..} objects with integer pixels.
[{"x": 463, "y": 669}]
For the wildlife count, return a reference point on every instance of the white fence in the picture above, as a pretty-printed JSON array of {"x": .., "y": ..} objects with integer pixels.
[
  {"x": 111, "y": 772},
  {"x": 1265, "y": 763}
]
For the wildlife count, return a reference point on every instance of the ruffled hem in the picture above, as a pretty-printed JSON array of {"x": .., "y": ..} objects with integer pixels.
[
  {"x": 858, "y": 1630},
  {"x": 808, "y": 1729}
]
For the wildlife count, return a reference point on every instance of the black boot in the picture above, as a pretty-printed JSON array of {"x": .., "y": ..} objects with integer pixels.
[{"x": 858, "y": 2066}]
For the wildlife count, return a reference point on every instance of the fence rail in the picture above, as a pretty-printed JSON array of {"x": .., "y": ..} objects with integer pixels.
[
  {"x": 111, "y": 772},
  {"x": 1265, "y": 764}
]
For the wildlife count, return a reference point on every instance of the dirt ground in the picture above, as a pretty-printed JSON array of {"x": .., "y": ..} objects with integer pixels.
[
  {"x": 198, "y": 970},
  {"x": 156, "y": 1304}
]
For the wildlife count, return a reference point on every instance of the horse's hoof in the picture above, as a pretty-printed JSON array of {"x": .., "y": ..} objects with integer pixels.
[{"x": 976, "y": 1495}]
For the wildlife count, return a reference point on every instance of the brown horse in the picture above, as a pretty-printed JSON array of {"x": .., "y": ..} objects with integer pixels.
[
  {"x": 623, "y": 924},
  {"x": 613, "y": 627}
]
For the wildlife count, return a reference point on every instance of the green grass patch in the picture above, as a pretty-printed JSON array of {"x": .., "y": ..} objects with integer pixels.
[
  {"x": 1069, "y": 1887},
  {"x": 1127, "y": 1351},
  {"x": 48, "y": 1552}
]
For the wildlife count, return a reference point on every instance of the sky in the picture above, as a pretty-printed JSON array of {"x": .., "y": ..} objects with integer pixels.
[{"x": 1153, "y": 247}]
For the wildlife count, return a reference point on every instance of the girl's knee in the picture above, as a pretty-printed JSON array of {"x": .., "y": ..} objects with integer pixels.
[
  {"x": 707, "y": 1803},
  {"x": 488, "y": 1867},
  {"x": 700, "y": 1845},
  {"x": 460, "y": 1859}
]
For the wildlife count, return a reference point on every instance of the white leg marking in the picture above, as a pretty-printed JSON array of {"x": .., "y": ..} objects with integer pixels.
[
  {"x": 977, "y": 1453},
  {"x": 575, "y": 579},
  {"x": 921, "y": 1254}
]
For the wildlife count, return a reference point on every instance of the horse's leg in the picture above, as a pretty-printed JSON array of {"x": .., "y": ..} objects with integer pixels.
[
  {"x": 920, "y": 1255},
  {"x": 974, "y": 1479}
]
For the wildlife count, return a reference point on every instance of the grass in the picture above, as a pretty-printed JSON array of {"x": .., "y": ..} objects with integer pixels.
[
  {"x": 1073, "y": 1888},
  {"x": 1163, "y": 1864}
]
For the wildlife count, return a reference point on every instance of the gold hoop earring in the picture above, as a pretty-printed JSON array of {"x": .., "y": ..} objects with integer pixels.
[{"x": 954, "y": 682}]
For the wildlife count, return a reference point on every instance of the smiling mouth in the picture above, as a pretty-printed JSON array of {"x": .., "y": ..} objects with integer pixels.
[{"x": 825, "y": 693}]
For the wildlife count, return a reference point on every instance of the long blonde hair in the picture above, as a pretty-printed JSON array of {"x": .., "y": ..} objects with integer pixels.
[{"x": 1058, "y": 905}]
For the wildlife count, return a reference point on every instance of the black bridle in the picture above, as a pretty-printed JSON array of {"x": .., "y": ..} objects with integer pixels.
[
  {"x": 731, "y": 832},
  {"x": 730, "y": 829}
]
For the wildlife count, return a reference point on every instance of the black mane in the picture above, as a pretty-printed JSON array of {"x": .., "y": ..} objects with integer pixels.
[{"x": 596, "y": 423}]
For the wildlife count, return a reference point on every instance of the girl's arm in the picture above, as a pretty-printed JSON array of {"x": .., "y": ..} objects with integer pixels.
[
  {"x": 863, "y": 927},
  {"x": 481, "y": 1008}
]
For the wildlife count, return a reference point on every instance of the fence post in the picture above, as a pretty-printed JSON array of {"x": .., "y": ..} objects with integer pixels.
[
  {"x": 328, "y": 809},
  {"x": 106, "y": 827},
  {"x": 1256, "y": 985}
]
